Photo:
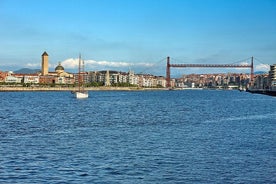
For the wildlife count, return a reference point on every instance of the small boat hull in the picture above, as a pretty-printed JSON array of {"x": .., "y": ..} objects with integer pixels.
[{"x": 80, "y": 95}]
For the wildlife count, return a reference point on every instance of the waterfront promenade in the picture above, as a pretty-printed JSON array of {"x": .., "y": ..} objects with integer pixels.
[{"x": 15, "y": 89}]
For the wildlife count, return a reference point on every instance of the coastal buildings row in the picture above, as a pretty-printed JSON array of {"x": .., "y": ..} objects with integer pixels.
[
  {"x": 60, "y": 77},
  {"x": 111, "y": 78},
  {"x": 99, "y": 77},
  {"x": 223, "y": 80}
]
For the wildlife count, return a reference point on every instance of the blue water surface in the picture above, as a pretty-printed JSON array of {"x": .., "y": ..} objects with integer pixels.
[{"x": 184, "y": 136}]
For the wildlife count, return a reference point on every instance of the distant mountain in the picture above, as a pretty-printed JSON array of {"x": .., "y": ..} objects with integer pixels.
[
  {"x": 260, "y": 72},
  {"x": 27, "y": 71}
]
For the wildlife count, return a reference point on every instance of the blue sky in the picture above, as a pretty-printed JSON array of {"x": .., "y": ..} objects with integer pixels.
[{"x": 122, "y": 34}]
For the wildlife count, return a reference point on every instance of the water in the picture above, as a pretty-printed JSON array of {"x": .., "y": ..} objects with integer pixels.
[{"x": 138, "y": 137}]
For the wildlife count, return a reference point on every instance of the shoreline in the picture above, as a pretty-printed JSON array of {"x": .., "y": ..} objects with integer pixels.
[{"x": 55, "y": 89}]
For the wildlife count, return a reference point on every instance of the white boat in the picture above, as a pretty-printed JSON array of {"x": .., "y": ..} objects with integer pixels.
[{"x": 81, "y": 92}]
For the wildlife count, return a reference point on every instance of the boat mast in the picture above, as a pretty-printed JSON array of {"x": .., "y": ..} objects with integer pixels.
[{"x": 79, "y": 72}]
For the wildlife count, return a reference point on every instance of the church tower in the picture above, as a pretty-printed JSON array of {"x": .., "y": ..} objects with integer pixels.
[
  {"x": 107, "y": 78},
  {"x": 44, "y": 69}
]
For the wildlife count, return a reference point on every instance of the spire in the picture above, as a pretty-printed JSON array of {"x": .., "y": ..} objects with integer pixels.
[{"x": 44, "y": 53}]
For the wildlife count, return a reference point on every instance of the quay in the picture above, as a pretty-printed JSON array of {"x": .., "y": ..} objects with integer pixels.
[
  {"x": 53, "y": 89},
  {"x": 269, "y": 92}
]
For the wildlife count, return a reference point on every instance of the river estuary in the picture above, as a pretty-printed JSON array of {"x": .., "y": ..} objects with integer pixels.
[{"x": 201, "y": 136}]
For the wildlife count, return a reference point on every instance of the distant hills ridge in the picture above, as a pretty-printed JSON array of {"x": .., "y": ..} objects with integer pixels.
[{"x": 27, "y": 71}]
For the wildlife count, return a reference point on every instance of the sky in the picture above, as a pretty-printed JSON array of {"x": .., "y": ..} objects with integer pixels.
[{"x": 137, "y": 35}]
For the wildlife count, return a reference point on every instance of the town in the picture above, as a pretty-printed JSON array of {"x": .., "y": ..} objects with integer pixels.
[{"x": 107, "y": 78}]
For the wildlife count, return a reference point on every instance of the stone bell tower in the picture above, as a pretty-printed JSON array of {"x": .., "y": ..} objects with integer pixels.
[
  {"x": 44, "y": 68},
  {"x": 107, "y": 78}
]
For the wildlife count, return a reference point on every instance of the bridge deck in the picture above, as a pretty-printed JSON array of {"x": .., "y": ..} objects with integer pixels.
[{"x": 210, "y": 65}]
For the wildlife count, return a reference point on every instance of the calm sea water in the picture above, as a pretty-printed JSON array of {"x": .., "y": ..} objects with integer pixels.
[{"x": 138, "y": 137}]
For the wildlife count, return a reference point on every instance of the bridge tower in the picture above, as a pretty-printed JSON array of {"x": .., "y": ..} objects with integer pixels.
[
  {"x": 168, "y": 73},
  {"x": 252, "y": 72}
]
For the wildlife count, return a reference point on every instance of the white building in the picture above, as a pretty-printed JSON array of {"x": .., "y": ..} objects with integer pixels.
[
  {"x": 34, "y": 79},
  {"x": 13, "y": 79},
  {"x": 272, "y": 76},
  {"x": 132, "y": 78}
]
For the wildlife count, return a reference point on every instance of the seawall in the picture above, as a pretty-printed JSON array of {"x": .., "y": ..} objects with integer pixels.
[{"x": 18, "y": 89}]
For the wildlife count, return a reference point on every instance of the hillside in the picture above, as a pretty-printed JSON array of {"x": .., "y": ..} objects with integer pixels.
[{"x": 27, "y": 71}]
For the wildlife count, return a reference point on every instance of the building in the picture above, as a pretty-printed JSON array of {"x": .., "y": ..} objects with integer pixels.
[
  {"x": 261, "y": 81},
  {"x": 272, "y": 72},
  {"x": 3, "y": 76},
  {"x": 10, "y": 78},
  {"x": 108, "y": 77},
  {"x": 272, "y": 76},
  {"x": 85, "y": 77},
  {"x": 31, "y": 79}
]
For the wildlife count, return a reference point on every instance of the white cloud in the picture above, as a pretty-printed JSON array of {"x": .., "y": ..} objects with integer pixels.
[
  {"x": 262, "y": 67},
  {"x": 109, "y": 63},
  {"x": 33, "y": 65},
  {"x": 72, "y": 63},
  {"x": 258, "y": 67},
  {"x": 37, "y": 65}
]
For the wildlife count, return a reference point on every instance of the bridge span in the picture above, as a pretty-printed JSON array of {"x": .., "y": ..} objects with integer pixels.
[{"x": 169, "y": 65}]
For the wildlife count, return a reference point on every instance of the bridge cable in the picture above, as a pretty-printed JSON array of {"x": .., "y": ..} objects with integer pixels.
[{"x": 149, "y": 67}]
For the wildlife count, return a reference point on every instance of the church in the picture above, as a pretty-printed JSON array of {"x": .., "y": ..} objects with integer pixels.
[{"x": 59, "y": 76}]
